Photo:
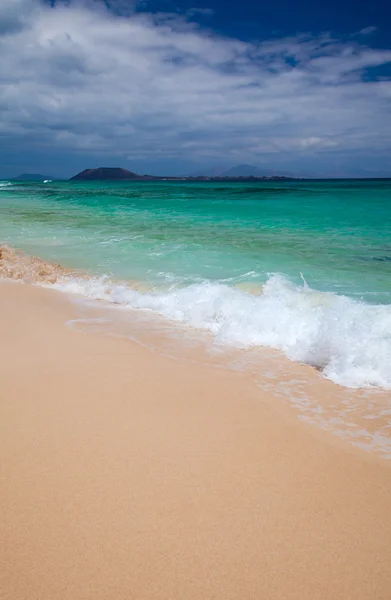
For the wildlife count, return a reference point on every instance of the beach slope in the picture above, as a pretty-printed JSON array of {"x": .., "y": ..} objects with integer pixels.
[{"x": 126, "y": 475}]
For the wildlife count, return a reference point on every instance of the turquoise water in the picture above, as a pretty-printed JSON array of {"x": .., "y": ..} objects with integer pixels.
[
  {"x": 338, "y": 234},
  {"x": 205, "y": 239}
]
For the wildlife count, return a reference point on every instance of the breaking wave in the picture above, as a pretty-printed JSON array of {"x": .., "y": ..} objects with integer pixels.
[{"x": 348, "y": 340}]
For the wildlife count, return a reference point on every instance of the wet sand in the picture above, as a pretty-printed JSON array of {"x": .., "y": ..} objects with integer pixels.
[{"x": 125, "y": 474}]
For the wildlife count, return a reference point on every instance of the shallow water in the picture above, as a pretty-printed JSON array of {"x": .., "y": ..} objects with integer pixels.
[
  {"x": 303, "y": 267},
  {"x": 338, "y": 234}
]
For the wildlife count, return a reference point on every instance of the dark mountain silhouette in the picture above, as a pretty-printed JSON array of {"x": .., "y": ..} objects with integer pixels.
[
  {"x": 243, "y": 170},
  {"x": 32, "y": 177},
  {"x": 107, "y": 173}
]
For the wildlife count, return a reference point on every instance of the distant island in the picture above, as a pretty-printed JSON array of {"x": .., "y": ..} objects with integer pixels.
[
  {"x": 242, "y": 170},
  {"x": 118, "y": 174},
  {"x": 108, "y": 173},
  {"x": 33, "y": 177}
]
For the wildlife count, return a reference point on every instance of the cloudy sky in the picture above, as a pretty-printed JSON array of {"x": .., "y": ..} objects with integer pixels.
[{"x": 181, "y": 86}]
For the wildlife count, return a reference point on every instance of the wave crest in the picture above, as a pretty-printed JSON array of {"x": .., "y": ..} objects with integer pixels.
[{"x": 348, "y": 340}]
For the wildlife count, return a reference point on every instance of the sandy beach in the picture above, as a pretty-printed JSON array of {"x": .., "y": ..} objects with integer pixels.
[{"x": 125, "y": 474}]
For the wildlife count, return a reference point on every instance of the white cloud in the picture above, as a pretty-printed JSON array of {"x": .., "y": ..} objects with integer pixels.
[
  {"x": 200, "y": 12},
  {"x": 368, "y": 30},
  {"x": 317, "y": 142},
  {"x": 84, "y": 79}
]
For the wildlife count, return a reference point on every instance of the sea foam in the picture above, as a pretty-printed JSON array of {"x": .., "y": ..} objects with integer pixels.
[{"x": 349, "y": 341}]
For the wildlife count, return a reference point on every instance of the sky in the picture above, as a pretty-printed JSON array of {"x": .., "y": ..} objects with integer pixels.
[{"x": 175, "y": 87}]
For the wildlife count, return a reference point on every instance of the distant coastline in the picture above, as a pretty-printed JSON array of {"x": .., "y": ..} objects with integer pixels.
[
  {"x": 118, "y": 174},
  {"x": 239, "y": 174}
]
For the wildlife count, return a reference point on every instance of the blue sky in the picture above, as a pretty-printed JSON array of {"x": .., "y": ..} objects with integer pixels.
[{"x": 176, "y": 87}]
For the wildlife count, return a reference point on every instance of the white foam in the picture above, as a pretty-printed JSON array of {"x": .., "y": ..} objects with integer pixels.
[
  {"x": 349, "y": 341},
  {"x": 4, "y": 184}
]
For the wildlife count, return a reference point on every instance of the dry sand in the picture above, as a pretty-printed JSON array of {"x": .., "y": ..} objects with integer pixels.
[{"x": 127, "y": 475}]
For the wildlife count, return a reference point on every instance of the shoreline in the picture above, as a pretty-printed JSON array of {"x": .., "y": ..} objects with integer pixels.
[
  {"x": 361, "y": 416},
  {"x": 130, "y": 475}
]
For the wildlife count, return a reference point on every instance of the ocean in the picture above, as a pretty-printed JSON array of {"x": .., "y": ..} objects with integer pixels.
[{"x": 302, "y": 267}]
